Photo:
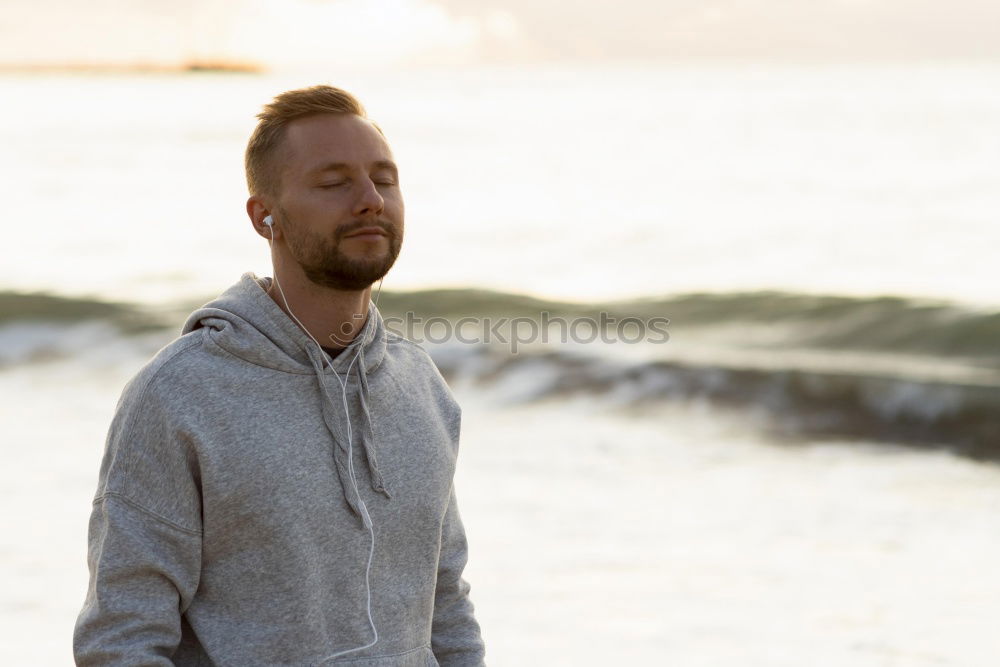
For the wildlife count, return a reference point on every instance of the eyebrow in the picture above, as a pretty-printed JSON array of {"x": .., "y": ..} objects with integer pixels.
[{"x": 343, "y": 166}]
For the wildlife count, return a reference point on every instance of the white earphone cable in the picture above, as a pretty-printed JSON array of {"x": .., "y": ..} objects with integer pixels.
[{"x": 350, "y": 450}]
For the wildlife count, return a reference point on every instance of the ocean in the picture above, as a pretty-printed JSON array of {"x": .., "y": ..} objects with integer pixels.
[{"x": 801, "y": 468}]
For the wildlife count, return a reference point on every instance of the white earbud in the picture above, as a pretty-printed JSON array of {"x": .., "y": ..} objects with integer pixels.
[{"x": 268, "y": 220}]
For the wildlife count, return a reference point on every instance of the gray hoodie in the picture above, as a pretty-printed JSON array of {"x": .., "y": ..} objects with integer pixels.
[{"x": 240, "y": 509}]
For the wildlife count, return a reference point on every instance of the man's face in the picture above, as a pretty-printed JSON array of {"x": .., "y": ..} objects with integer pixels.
[{"x": 338, "y": 178}]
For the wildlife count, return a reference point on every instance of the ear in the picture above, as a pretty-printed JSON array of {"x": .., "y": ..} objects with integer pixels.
[{"x": 257, "y": 209}]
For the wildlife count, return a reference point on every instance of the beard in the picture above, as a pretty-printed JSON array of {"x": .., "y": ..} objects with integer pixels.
[{"x": 324, "y": 264}]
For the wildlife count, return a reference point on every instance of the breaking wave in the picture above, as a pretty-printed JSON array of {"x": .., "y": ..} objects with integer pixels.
[{"x": 881, "y": 368}]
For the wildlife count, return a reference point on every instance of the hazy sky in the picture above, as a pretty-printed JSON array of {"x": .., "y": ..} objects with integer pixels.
[{"x": 292, "y": 32}]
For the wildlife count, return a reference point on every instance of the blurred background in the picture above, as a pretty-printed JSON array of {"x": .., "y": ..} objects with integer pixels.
[{"x": 804, "y": 473}]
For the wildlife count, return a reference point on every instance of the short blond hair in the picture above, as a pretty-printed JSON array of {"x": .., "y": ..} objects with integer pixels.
[{"x": 263, "y": 177}]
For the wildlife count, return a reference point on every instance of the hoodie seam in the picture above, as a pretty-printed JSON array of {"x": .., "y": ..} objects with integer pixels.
[
  {"x": 161, "y": 519},
  {"x": 422, "y": 647}
]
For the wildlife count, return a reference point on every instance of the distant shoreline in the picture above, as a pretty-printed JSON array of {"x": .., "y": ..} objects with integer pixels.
[{"x": 191, "y": 66}]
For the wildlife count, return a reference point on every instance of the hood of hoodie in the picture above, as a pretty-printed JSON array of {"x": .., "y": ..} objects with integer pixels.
[{"x": 246, "y": 322}]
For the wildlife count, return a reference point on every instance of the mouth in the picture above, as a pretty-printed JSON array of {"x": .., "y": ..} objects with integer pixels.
[{"x": 367, "y": 233}]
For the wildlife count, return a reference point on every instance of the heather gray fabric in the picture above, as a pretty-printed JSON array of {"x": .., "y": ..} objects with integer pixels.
[{"x": 226, "y": 528}]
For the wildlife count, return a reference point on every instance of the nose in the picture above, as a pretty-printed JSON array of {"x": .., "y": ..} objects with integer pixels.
[{"x": 369, "y": 201}]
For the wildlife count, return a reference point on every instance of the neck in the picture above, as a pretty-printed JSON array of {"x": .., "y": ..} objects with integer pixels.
[{"x": 333, "y": 317}]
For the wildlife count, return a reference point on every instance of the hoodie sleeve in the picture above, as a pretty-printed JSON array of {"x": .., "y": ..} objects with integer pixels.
[
  {"x": 144, "y": 540},
  {"x": 456, "y": 639}
]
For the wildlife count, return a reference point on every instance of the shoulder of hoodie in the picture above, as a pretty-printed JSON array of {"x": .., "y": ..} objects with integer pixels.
[{"x": 157, "y": 375}]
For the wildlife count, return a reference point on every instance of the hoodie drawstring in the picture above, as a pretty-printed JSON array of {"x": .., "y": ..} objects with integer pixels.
[
  {"x": 342, "y": 450},
  {"x": 376, "y": 474}
]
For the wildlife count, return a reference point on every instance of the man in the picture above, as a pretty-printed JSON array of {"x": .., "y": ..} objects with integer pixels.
[{"x": 277, "y": 485}]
